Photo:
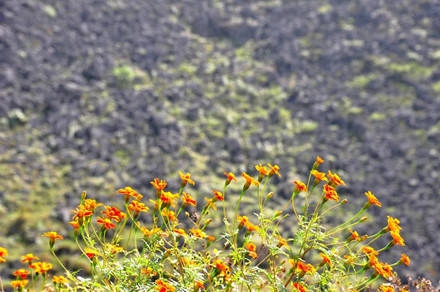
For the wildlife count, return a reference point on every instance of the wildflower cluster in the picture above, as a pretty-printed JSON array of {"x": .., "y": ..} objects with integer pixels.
[{"x": 170, "y": 241}]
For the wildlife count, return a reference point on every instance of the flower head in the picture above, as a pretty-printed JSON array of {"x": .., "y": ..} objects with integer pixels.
[
  {"x": 163, "y": 286},
  {"x": 19, "y": 284},
  {"x": 319, "y": 176},
  {"x": 106, "y": 223},
  {"x": 397, "y": 239},
  {"x": 61, "y": 280},
  {"x": 249, "y": 181},
  {"x": 29, "y": 258},
  {"x": 136, "y": 207},
  {"x": 159, "y": 184},
  {"x": 21, "y": 273},
  {"x": 229, "y": 177},
  {"x": 335, "y": 180},
  {"x": 326, "y": 259},
  {"x": 300, "y": 186},
  {"x": 52, "y": 235},
  {"x": 274, "y": 169},
  {"x": 113, "y": 213},
  {"x": 372, "y": 200},
  {"x": 219, "y": 196},
  {"x": 128, "y": 193},
  {"x": 405, "y": 259},
  {"x": 186, "y": 178},
  {"x": 3, "y": 254},
  {"x": 41, "y": 267},
  {"x": 262, "y": 170},
  {"x": 330, "y": 193},
  {"x": 252, "y": 249},
  {"x": 187, "y": 199}
]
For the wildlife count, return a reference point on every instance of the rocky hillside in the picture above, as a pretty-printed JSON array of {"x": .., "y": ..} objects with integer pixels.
[{"x": 100, "y": 94}]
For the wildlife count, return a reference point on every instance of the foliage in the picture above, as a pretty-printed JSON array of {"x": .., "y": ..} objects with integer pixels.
[{"x": 166, "y": 243}]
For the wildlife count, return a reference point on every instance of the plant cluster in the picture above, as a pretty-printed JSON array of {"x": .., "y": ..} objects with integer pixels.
[{"x": 172, "y": 242}]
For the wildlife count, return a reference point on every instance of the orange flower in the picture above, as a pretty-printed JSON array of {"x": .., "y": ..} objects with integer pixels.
[
  {"x": 222, "y": 267},
  {"x": 163, "y": 286},
  {"x": 397, "y": 239},
  {"x": 170, "y": 215},
  {"x": 330, "y": 193},
  {"x": 113, "y": 213},
  {"x": 60, "y": 280},
  {"x": 274, "y": 169},
  {"x": 318, "y": 161},
  {"x": 242, "y": 220},
  {"x": 302, "y": 266},
  {"x": 186, "y": 178},
  {"x": 136, "y": 207},
  {"x": 52, "y": 235},
  {"x": 299, "y": 287},
  {"x": 75, "y": 225},
  {"x": 180, "y": 231},
  {"x": 325, "y": 259},
  {"x": 91, "y": 204},
  {"x": 299, "y": 186},
  {"x": 198, "y": 285},
  {"x": 29, "y": 258},
  {"x": 198, "y": 233},
  {"x": 41, "y": 267},
  {"x": 405, "y": 259},
  {"x": 188, "y": 200},
  {"x": 3, "y": 253},
  {"x": 319, "y": 176},
  {"x": 229, "y": 177},
  {"x": 19, "y": 284},
  {"x": 383, "y": 269},
  {"x": 335, "y": 180},
  {"x": 385, "y": 288},
  {"x": 218, "y": 196},
  {"x": 168, "y": 198},
  {"x": 81, "y": 214},
  {"x": 128, "y": 193},
  {"x": 158, "y": 184},
  {"x": 281, "y": 241},
  {"x": 106, "y": 223},
  {"x": 372, "y": 200},
  {"x": 252, "y": 249},
  {"x": 368, "y": 250},
  {"x": 354, "y": 236},
  {"x": 21, "y": 273},
  {"x": 249, "y": 181}
]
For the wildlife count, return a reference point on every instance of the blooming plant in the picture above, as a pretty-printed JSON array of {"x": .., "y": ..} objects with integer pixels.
[{"x": 170, "y": 241}]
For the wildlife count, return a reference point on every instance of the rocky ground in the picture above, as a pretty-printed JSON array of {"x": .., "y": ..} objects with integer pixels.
[{"x": 96, "y": 95}]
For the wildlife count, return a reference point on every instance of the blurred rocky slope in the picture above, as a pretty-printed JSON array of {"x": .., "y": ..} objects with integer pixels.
[{"x": 100, "y": 94}]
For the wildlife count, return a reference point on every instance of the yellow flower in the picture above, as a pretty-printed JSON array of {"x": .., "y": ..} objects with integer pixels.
[
  {"x": 105, "y": 223},
  {"x": 41, "y": 267},
  {"x": 274, "y": 169},
  {"x": 299, "y": 287},
  {"x": 60, "y": 280},
  {"x": 168, "y": 198},
  {"x": 397, "y": 239},
  {"x": 372, "y": 200},
  {"x": 393, "y": 224},
  {"x": 385, "y": 288},
  {"x": 186, "y": 178},
  {"x": 3, "y": 253},
  {"x": 19, "y": 284},
  {"x": 163, "y": 286},
  {"x": 262, "y": 170},
  {"x": 136, "y": 207},
  {"x": 354, "y": 236}
]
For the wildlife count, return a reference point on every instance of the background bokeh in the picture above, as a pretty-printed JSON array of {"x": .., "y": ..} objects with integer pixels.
[{"x": 96, "y": 95}]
